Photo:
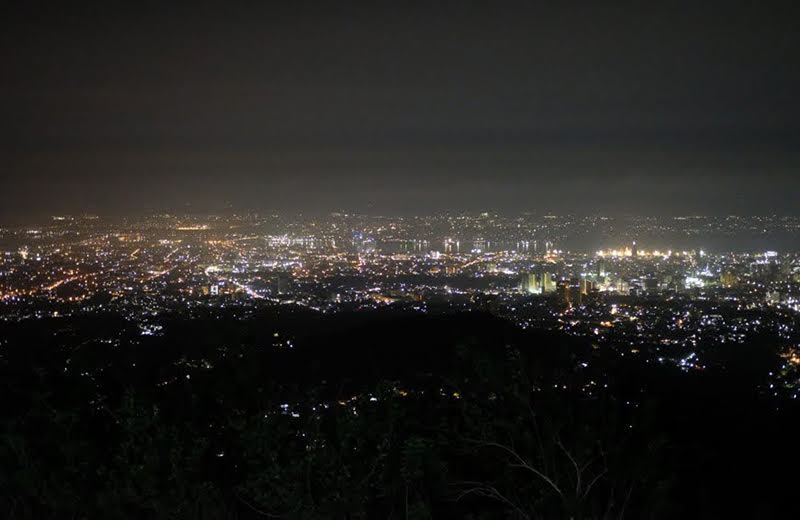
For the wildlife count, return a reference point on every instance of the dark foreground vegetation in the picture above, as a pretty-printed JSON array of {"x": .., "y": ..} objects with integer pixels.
[{"x": 381, "y": 415}]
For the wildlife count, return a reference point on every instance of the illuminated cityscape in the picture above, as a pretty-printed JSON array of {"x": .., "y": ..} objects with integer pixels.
[
  {"x": 399, "y": 261},
  {"x": 667, "y": 305}
]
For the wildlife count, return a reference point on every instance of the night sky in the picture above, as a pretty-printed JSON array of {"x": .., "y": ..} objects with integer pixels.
[{"x": 617, "y": 108}]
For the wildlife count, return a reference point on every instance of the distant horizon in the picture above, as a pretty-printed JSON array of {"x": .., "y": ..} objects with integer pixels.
[
  {"x": 720, "y": 233},
  {"x": 190, "y": 211}
]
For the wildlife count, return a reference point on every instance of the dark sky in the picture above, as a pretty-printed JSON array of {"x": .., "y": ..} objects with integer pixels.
[{"x": 583, "y": 108}]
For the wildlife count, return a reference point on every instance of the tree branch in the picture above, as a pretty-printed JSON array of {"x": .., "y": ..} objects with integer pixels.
[{"x": 523, "y": 464}]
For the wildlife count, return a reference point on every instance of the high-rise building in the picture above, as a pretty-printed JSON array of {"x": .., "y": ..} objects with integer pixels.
[
  {"x": 569, "y": 291},
  {"x": 528, "y": 283},
  {"x": 537, "y": 283},
  {"x": 547, "y": 283},
  {"x": 587, "y": 286}
]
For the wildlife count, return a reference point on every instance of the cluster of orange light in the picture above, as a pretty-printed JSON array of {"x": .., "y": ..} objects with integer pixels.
[{"x": 791, "y": 356}]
